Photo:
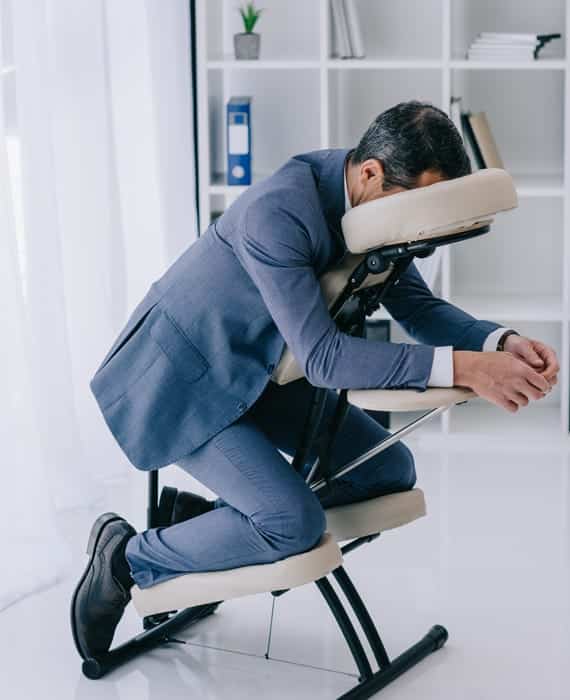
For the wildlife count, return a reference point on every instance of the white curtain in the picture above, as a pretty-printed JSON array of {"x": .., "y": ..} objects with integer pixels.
[{"x": 96, "y": 199}]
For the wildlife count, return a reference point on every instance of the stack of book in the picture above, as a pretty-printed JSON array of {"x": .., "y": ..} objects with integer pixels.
[
  {"x": 492, "y": 46},
  {"x": 347, "y": 38}
]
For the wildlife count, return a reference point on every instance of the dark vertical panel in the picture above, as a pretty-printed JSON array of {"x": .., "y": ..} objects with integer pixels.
[{"x": 195, "y": 107}]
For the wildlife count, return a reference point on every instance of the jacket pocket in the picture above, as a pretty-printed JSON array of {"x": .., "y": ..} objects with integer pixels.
[
  {"x": 184, "y": 356},
  {"x": 127, "y": 334}
]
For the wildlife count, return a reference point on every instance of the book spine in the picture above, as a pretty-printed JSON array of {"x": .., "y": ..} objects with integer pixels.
[
  {"x": 455, "y": 114},
  {"x": 485, "y": 140},
  {"x": 341, "y": 29},
  {"x": 238, "y": 139},
  {"x": 470, "y": 137},
  {"x": 354, "y": 32},
  {"x": 509, "y": 37}
]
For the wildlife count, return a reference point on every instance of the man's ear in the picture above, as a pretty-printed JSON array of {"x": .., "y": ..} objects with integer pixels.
[
  {"x": 371, "y": 179},
  {"x": 371, "y": 169}
]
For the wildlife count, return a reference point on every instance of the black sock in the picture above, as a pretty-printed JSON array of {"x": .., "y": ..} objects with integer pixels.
[{"x": 120, "y": 565}]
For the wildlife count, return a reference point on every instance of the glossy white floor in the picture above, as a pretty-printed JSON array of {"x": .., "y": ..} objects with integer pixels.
[{"x": 490, "y": 562}]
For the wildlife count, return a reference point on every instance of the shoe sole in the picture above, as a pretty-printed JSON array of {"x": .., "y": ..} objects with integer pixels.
[{"x": 96, "y": 531}]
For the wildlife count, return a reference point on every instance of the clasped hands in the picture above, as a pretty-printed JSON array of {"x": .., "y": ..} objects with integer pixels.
[{"x": 526, "y": 370}]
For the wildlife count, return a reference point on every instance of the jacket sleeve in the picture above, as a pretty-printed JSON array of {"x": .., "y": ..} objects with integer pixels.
[
  {"x": 429, "y": 319},
  {"x": 275, "y": 249}
]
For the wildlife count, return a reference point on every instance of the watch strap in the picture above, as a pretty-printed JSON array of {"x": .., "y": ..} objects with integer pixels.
[{"x": 502, "y": 339}]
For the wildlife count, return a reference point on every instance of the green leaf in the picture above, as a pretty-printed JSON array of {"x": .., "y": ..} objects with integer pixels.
[{"x": 249, "y": 14}]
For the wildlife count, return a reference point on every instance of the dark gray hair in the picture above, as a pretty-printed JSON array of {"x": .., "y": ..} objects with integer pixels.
[{"x": 408, "y": 139}]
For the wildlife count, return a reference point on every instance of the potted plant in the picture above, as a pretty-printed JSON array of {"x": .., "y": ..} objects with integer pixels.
[{"x": 246, "y": 44}]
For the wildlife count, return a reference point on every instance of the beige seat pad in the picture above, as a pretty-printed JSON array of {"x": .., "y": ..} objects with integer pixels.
[
  {"x": 196, "y": 589},
  {"x": 375, "y": 515}
]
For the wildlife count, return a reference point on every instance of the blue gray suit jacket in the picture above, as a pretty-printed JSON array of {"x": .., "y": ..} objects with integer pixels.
[{"x": 201, "y": 345}]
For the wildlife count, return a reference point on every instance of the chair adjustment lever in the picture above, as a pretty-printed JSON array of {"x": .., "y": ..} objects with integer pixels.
[{"x": 172, "y": 640}]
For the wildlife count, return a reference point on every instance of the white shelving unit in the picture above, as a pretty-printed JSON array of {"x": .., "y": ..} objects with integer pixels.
[{"x": 305, "y": 99}]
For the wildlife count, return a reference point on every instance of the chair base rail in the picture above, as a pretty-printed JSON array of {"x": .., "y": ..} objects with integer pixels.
[
  {"x": 432, "y": 641},
  {"x": 153, "y": 636},
  {"x": 369, "y": 682}
]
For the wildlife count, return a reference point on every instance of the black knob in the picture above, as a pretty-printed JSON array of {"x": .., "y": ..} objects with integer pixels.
[{"x": 375, "y": 263}]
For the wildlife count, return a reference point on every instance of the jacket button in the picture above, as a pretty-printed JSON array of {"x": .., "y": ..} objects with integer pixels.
[{"x": 241, "y": 405}]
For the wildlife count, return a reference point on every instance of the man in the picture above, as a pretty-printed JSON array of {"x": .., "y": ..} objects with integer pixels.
[{"x": 188, "y": 379}]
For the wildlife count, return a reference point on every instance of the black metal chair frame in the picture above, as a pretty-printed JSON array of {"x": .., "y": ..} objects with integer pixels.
[{"x": 159, "y": 629}]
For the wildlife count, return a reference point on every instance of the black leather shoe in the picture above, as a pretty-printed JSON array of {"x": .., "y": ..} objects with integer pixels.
[
  {"x": 103, "y": 591},
  {"x": 176, "y": 506}
]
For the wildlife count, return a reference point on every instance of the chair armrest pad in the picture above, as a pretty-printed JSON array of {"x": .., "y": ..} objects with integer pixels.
[{"x": 408, "y": 399}]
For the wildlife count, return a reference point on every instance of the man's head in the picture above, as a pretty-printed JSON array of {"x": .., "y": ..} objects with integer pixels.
[{"x": 412, "y": 144}]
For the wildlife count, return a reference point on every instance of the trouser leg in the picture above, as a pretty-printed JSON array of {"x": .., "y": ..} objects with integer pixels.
[
  {"x": 269, "y": 512},
  {"x": 280, "y": 412}
]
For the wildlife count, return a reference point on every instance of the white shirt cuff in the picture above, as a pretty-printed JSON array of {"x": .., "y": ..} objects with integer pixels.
[
  {"x": 442, "y": 367},
  {"x": 490, "y": 344}
]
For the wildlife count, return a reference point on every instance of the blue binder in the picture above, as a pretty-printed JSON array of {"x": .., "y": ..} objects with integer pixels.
[{"x": 239, "y": 140}]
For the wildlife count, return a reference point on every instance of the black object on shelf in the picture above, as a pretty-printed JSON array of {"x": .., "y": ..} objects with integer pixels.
[{"x": 542, "y": 40}]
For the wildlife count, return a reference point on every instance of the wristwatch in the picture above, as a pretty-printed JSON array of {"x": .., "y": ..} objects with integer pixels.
[{"x": 506, "y": 334}]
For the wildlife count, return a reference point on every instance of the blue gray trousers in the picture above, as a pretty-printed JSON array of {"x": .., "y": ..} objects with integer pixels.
[{"x": 265, "y": 511}]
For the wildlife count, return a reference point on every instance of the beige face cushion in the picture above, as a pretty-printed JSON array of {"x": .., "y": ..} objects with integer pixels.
[{"x": 442, "y": 209}]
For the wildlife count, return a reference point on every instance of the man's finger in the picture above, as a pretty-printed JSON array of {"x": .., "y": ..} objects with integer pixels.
[
  {"x": 530, "y": 355},
  {"x": 529, "y": 391},
  {"x": 537, "y": 380},
  {"x": 548, "y": 356},
  {"x": 510, "y": 406},
  {"x": 519, "y": 397},
  {"x": 551, "y": 376},
  {"x": 505, "y": 403}
]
